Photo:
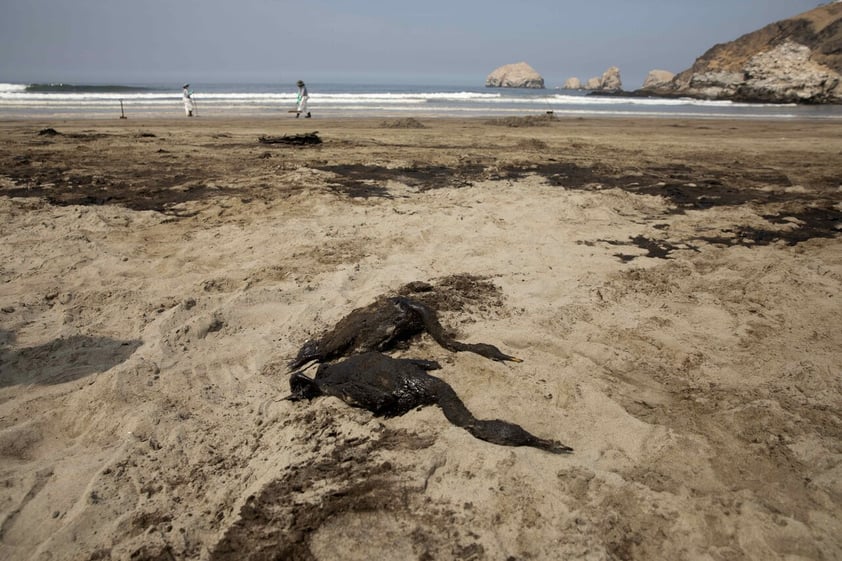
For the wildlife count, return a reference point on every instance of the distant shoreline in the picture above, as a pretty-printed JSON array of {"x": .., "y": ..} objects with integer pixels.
[
  {"x": 645, "y": 94},
  {"x": 283, "y": 116},
  {"x": 385, "y": 101}
]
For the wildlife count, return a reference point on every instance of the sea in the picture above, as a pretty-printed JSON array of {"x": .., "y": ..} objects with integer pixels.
[{"x": 366, "y": 100}]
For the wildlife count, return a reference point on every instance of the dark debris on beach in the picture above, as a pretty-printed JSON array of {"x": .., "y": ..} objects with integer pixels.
[
  {"x": 302, "y": 139},
  {"x": 42, "y": 172}
]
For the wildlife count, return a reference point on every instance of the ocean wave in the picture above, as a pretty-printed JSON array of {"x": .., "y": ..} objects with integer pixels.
[
  {"x": 63, "y": 96},
  {"x": 83, "y": 94},
  {"x": 353, "y": 97},
  {"x": 83, "y": 88},
  {"x": 49, "y": 99},
  {"x": 12, "y": 88},
  {"x": 338, "y": 99}
]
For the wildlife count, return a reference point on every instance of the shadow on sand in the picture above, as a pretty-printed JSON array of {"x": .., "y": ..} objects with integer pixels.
[{"x": 61, "y": 360}]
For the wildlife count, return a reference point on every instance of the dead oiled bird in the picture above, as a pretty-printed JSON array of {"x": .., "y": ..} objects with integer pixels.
[
  {"x": 382, "y": 325},
  {"x": 389, "y": 387}
]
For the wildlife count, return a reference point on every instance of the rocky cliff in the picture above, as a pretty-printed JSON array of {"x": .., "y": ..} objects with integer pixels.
[
  {"x": 794, "y": 60},
  {"x": 518, "y": 75}
]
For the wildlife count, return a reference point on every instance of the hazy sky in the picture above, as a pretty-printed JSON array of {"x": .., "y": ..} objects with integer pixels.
[{"x": 133, "y": 41}]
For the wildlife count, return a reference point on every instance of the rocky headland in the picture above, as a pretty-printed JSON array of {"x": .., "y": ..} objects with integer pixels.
[{"x": 797, "y": 60}]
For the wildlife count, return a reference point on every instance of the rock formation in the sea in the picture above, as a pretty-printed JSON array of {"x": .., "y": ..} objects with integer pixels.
[
  {"x": 572, "y": 84},
  {"x": 657, "y": 78},
  {"x": 609, "y": 81},
  {"x": 593, "y": 83},
  {"x": 797, "y": 60},
  {"x": 518, "y": 75}
]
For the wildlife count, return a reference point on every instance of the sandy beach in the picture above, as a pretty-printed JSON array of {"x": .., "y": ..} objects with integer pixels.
[{"x": 674, "y": 288}]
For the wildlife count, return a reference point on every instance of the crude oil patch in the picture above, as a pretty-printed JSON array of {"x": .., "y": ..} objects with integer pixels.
[
  {"x": 685, "y": 188},
  {"x": 150, "y": 188},
  {"x": 810, "y": 223},
  {"x": 698, "y": 187},
  {"x": 805, "y": 225},
  {"x": 89, "y": 191},
  {"x": 366, "y": 181},
  {"x": 655, "y": 249},
  {"x": 456, "y": 293},
  {"x": 688, "y": 189},
  {"x": 340, "y": 476}
]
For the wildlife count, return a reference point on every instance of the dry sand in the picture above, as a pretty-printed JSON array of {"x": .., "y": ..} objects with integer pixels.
[{"x": 672, "y": 286}]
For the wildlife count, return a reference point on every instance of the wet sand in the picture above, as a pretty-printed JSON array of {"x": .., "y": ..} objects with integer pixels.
[{"x": 673, "y": 288}]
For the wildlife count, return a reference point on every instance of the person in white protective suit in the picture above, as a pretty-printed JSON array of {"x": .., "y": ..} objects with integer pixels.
[
  {"x": 187, "y": 97},
  {"x": 303, "y": 97}
]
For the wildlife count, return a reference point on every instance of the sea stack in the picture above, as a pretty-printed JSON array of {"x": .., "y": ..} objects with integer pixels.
[
  {"x": 657, "y": 78},
  {"x": 518, "y": 75},
  {"x": 609, "y": 81},
  {"x": 572, "y": 84}
]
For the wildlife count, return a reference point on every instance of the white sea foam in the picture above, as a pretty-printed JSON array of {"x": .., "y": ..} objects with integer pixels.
[
  {"x": 10, "y": 88},
  {"x": 339, "y": 100},
  {"x": 48, "y": 98}
]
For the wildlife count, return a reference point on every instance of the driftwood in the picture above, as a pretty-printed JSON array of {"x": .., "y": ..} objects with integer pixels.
[{"x": 294, "y": 139}]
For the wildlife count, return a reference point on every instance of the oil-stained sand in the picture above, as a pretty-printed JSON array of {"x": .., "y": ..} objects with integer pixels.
[{"x": 672, "y": 286}]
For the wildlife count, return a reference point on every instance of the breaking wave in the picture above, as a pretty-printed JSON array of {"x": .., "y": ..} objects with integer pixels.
[
  {"x": 74, "y": 88},
  {"x": 350, "y": 99}
]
